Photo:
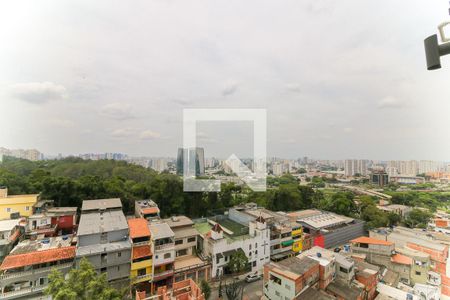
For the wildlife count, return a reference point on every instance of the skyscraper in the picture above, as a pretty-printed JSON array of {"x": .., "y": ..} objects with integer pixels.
[{"x": 195, "y": 158}]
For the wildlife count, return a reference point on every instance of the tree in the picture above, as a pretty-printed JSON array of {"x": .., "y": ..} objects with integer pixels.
[
  {"x": 238, "y": 262},
  {"x": 82, "y": 283},
  {"x": 234, "y": 291},
  {"x": 418, "y": 218},
  {"x": 206, "y": 289}
]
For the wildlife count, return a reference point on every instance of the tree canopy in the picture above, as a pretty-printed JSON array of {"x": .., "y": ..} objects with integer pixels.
[{"x": 82, "y": 284}]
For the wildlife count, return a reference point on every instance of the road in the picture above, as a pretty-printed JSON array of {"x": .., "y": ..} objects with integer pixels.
[{"x": 253, "y": 291}]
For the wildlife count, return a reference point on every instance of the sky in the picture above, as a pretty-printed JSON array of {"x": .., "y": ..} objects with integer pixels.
[{"x": 339, "y": 79}]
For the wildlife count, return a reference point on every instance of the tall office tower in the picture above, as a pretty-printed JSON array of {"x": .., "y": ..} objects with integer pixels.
[{"x": 195, "y": 158}]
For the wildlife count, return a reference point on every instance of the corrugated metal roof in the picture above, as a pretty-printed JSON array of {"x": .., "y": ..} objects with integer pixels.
[
  {"x": 98, "y": 204},
  {"x": 91, "y": 223}
]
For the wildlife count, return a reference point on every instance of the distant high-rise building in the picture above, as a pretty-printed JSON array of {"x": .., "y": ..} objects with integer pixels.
[
  {"x": 195, "y": 158},
  {"x": 356, "y": 166},
  {"x": 30, "y": 154}
]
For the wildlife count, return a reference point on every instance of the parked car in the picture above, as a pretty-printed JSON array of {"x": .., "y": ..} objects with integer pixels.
[{"x": 252, "y": 277}]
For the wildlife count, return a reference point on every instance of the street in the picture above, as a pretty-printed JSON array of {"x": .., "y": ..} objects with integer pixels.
[{"x": 252, "y": 290}]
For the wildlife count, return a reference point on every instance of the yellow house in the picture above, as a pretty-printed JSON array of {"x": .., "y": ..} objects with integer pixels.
[
  {"x": 21, "y": 204},
  {"x": 141, "y": 253},
  {"x": 297, "y": 235}
]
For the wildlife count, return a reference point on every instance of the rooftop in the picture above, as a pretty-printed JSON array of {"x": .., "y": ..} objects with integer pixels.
[
  {"x": 401, "y": 259},
  {"x": 324, "y": 220},
  {"x": 178, "y": 221},
  {"x": 312, "y": 293},
  {"x": 372, "y": 241},
  {"x": 92, "y": 223},
  {"x": 38, "y": 257},
  {"x": 343, "y": 290},
  {"x": 296, "y": 265},
  {"x": 27, "y": 246},
  {"x": 101, "y": 204},
  {"x": 138, "y": 228},
  {"x": 8, "y": 225},
  {"x": 100, "y": 248},
  {"x": 160, "y": 230},
  {"x": 187, "y": 261},
  {"x": 185, "y": 232},
  {"x": 365, "y": 269}
]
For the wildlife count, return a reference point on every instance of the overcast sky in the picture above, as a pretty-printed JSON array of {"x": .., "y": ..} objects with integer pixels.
[{"x": 339, "y": 79}]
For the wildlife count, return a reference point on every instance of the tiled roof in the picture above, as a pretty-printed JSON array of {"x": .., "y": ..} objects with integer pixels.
[
  {"x": 37, "y": 257},
  {"x": 401, "y": 259},
  {"x": 138, "y": 228},
  {"x": 369, "y": 240},
  {"x": 150, "y": 210},
  {"x": 141, "y": 251}
]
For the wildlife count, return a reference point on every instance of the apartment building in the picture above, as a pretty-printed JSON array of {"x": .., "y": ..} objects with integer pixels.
[
  {"x": 24, "y": 272},
  {"x": 15, "y": 206},
  {"x": 10, "y": 232},
  {"x": 420, "y": 266},
  {"x": 141, "y": 273},
  {"x": 187, "y": 263},
  {"x": 163, "y": 249},
  {"x": 222, "y": 238},
  {"x": 288, "y": 278},
  {"x": 286, "y": 236},
  {"x": 146, "y": 209},
  {"x": 103, "y": 239}
]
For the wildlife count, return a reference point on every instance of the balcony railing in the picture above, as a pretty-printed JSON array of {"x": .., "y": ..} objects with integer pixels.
[
  {"x": 35, "y": 271},
  {"x": 144, "y": 243},
  {"x": 162, "y": 274},
  {"x": 21, "y": 292},
  {"x": 141, "y": 278},
  {"x": 165, "y": 246}
]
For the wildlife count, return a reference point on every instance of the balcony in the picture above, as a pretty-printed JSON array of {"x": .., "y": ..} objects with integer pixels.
[
  {"x": 162, "y": 275},
  {"x": 13, "y": 275},
  {"x": 165, "y": 246},
  {"x": 142, "y": 278},
  {"x": 22, "y": 292}
]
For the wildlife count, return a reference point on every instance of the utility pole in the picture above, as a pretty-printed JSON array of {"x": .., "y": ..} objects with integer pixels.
[{"x": 434, "y": 50}]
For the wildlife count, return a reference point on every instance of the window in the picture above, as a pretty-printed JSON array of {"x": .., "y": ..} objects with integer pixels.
[
  {"x": 250, "y": 247},
  {"x": 287, "y": 286},
  {"x": 27, "y": 208},
  {"x": 256, "y": 245},
  {"x": 8, "y": 209},
  {"x": 103, "y": 270},
  {"x": 277, "y": 293},
  {"x": 254, "y": 263},
  {"x": 418, "y": 273},
  {"x": 256, "y": 252},
  {"x": 118, "y": 268},
  {"x": 343, "y": 270},
  {"x": 181, "y": 252},
  {"x": 178, "y": 242},
  {"x": 141, "y": 272},
  {"x": 119, "y": 254},
  {"x": 191, "y": 239},
  {"x": 167, "y": 255},
  {"x": 275, "y": 279},
  {"x": 42, "y": 280}
]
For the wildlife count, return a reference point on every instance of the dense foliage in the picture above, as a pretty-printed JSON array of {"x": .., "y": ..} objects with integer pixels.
[
  {"x": 83, "y": 283},
  {"x": 72, "y": 180}
]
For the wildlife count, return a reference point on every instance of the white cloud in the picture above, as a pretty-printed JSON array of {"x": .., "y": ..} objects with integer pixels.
[
  {"x": 38, "y": 92},
  {"x": 123, "y": 132},
  {"x": 348, "y": 129},
  {"x": 118, "y": 111},
  {"x": 391, "y": 102},
  {"x": 61, "y": 123},
  {"x": 293, "y": 87},
  {"x": 149, "y": 135},
  {"x": 230, "y": 87}
]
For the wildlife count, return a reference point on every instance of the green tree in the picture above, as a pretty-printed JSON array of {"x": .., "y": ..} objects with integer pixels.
[
  {"x": 234, "y": 291},
  {"x": 418, "y": 218},
  {"x": 206, "y": 289},
  {"x": 238, "y": 262},
  {"x": 82, "y": 283}
]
